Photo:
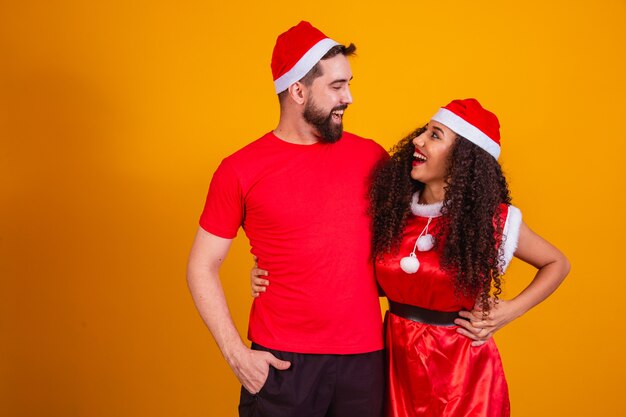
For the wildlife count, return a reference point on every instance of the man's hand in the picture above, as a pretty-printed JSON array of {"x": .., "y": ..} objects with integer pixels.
[
  {"x": 481, "y": 328},
  {"x": 253, "y": 366},
  {"x": 207, "y": 254}
]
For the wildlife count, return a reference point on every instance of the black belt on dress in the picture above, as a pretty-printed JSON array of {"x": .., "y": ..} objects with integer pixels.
[{"x": 423, "y": 315}]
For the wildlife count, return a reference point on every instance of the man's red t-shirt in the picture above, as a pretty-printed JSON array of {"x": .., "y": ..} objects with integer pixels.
[{"x": 304, "y": 209}]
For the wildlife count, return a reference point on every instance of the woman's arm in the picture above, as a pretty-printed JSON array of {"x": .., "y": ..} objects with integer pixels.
[
  {"x": 552, "y": 268},
  {"x": 257, "y": 281}
]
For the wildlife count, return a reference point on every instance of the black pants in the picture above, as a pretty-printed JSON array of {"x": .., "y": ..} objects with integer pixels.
[{"x": 319, "y": 386}]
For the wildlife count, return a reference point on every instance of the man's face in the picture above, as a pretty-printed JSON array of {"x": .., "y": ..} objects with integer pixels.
[{"x": 328, "y": 97}]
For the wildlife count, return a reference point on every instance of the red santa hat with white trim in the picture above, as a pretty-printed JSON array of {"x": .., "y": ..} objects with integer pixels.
[
  {"x": 296, "y": 52},
  {"x": 469, "y": 119}
]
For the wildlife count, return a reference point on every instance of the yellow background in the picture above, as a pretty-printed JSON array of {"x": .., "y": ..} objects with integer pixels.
[{"x": 114, "y": 114}]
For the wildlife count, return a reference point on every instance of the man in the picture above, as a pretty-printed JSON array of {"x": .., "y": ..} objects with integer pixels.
[{"x": 299, "y": 192}]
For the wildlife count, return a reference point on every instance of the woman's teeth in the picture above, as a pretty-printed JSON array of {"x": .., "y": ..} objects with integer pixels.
[{"x": 419, "y": 157}]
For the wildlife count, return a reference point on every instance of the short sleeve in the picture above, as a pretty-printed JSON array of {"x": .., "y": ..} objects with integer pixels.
[
  {"x": 510, "y": 235},
  {"x": 381, "y": 154},
  {"x": 223, "y": 210}
]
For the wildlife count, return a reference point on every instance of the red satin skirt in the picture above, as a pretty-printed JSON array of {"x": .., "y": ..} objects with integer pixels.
[{"x": 433, "y": 371}]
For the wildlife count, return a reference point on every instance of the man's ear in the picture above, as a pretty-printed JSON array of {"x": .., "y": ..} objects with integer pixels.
[{"x": 297, "y": 92}]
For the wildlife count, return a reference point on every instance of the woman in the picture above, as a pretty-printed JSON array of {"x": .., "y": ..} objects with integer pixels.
[{"x": 443, "y": 234}]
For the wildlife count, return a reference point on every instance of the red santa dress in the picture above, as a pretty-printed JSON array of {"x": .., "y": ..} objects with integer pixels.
[{"x": 433, "y": 370}]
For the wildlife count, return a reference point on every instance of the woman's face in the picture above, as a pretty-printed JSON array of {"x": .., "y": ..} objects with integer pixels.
[{"x": 432, "y": 151}]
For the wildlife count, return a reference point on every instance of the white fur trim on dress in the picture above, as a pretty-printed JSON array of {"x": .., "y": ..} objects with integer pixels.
[
  {"x": 510, "y": 235},
  {"x": 304, "y": 65},
  {"x": 467, "y": 130},
  {"x": 425, "y": 210}
]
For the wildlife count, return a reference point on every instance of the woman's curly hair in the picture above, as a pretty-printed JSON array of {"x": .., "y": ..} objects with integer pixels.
[{"x": 471, "y": 223}]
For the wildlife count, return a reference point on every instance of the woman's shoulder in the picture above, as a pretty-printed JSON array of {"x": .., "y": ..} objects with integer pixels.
[
  {"x": 509, "y": 212},
  {"x": 511, "y": 218}
]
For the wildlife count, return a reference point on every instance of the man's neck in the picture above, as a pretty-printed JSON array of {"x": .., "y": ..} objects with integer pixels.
[{"x": 296, "y": 130}]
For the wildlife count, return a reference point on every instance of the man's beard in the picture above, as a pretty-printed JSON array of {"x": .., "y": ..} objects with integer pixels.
[{"x": 329, "y": 131}]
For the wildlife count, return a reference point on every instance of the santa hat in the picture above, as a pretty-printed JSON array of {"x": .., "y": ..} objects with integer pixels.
[
  {"x": 296, "y": 52},
  {"x": 475, "y": 123}
]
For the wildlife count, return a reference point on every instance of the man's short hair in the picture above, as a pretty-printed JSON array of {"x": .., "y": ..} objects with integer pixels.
[{"x": 316, "y": 71}]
